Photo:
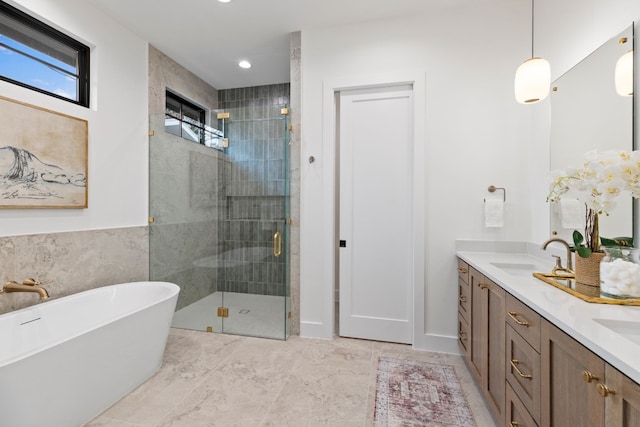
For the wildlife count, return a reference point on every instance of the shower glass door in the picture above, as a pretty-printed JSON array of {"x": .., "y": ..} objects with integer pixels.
[
  {"x": 254, "y": 228},
  {"x": 219, "y": 213}
]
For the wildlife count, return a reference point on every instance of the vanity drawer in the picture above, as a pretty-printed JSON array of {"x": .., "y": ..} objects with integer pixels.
[
  {"x": 523, "y": 371},
  {"x": 516, "y": 414},
  {"x": 464, "y": 337},
  {"x": 463, "y": 271},
  {"x": 464, "y": 300},
  {"x": 523, "y": 320}
]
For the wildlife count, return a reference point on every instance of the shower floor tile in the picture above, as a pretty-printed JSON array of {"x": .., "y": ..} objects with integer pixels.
[{"x": 249, "y": 314}]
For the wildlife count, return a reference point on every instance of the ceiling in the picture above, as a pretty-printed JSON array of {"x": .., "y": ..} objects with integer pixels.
[{"x": 209, "y": 38}]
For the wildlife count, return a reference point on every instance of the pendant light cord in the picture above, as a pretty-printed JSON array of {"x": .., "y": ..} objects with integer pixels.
[{"x": 532, "y": 24}]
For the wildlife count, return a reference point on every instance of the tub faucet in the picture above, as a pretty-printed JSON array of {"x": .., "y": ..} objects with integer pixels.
[
  {"x": 558, "y": 266},
  {"x": 29, "y": 285}
]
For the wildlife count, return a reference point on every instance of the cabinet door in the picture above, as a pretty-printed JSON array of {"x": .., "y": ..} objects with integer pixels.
[
  {"x": 515, "y": 411},
  {"x": 495, "y": 378},
  {"x": 464, "y": 299},
  {"x": 487, "y": 354},
  {"x": 478, "y": 324},
  {"x": 569, "y": 382},
  {"x": 524, "y": 321},
  {"x": 523, "y": 371},
  {"x": 621, "y": 398},
  {"x": 463, "y": 336}
]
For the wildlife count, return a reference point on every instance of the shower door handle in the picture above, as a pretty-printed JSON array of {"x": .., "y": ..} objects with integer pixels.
[{"x": 277, "y": 244}]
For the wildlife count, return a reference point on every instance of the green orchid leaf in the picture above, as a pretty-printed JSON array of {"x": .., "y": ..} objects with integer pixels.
[
  {"x": 617, "y": 241},
  {"x": 583, "y": 251}
]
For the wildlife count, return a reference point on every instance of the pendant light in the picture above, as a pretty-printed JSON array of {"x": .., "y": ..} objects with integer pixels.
[
  {"x": 533, "y": 76},
  {"x": 624, "y": 73}
]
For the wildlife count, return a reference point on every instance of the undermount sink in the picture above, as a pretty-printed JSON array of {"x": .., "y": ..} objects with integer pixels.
[
  {"x": 516, "y": 269},
  {"x": 626, "y": 328}
]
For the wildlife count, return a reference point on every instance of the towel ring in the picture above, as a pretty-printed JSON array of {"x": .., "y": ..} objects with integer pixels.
[{"x": 492, "y": 189}]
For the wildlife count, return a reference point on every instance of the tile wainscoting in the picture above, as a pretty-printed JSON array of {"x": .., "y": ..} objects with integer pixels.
[{"x": 71, "y": 262}]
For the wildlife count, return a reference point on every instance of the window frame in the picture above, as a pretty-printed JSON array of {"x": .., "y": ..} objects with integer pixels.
[
  {"x": 83, "y": 51},
  {"x": 206, "y": 133}
]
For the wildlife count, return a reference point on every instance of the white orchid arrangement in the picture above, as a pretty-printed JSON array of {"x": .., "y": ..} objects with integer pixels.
[{"x": 603, "y": 177}]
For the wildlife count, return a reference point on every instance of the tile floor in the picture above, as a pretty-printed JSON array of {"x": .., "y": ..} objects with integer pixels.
[{"x": 224, "y": 380}]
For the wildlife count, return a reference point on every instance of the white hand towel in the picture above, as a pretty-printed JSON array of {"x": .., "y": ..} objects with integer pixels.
[
  {"x": 571, "y": 213},
  {"x": 493, "y": 213}
]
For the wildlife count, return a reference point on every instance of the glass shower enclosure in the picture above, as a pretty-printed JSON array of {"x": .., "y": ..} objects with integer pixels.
[{"x": 219, "y": 205}]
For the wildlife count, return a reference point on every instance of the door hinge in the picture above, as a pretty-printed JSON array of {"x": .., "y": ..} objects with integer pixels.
[{"x": 223, "y": 312}]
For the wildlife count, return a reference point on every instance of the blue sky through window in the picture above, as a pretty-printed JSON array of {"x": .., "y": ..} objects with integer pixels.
[{"x": 31, "y": 72}]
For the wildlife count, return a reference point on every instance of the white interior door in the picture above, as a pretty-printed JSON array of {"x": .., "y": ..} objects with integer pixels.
[{"x": 375, "y": 254}]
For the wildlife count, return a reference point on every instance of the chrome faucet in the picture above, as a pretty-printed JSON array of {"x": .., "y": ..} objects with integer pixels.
[
  {"x": 558, "y": 266},
  {"x": 29, "y": 285}
]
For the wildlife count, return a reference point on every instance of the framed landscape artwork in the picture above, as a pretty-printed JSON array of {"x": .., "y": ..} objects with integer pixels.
[{"x": 43, "y": 157}]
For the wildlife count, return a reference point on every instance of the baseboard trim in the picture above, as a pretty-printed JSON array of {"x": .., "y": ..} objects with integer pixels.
[
  {"x": 315, "y": 330},
  {"x": 437, "y": 343}
]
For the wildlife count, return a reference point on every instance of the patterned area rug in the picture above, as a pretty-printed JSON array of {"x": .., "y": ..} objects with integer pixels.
[{"x": 412, "y": 393}]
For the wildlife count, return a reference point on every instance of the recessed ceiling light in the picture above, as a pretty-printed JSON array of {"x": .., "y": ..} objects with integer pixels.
[
  {"x": 224, "y": 1},
  {"x": 244, "y": 64}
]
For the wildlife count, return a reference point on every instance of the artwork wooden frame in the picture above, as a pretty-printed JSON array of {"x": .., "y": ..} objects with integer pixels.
[{"x": 43, "y": 158}]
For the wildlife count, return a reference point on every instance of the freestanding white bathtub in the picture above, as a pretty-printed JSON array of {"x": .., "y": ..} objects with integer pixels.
[{"x": 64, "y": 361}]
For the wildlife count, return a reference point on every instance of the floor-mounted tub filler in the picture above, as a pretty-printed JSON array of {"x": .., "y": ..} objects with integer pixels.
[{"x": 65, "y": 361}]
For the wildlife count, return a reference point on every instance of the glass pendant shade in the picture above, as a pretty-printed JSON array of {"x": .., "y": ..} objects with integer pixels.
[
  {"x": 624, "y": 74},
  {"x": 532, "y": 82}
]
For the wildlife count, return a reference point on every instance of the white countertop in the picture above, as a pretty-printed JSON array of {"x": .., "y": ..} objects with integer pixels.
[{"x": 571, "y": 314}]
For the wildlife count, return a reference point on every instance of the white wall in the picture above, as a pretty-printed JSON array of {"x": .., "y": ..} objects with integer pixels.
[
  {"x": 118, "y": 123},
  {"x": 476, "y": 136}
]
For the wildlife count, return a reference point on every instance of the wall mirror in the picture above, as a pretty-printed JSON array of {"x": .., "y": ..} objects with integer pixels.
[{"x": 587, "y": 113}]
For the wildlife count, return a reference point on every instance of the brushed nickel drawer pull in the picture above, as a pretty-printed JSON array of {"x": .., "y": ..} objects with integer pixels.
[
  {"x": 462, "y": 298},
  {"x": 462, "y": 270},
  {"x": 514, "y": 316},
  {"x": 483, "y": 286},
  {"x": 588, "y": 377},
  {"x": 461, "y": 336},
  {"x": 514, "y": 364},
  {"x": 514, "y": 424}
]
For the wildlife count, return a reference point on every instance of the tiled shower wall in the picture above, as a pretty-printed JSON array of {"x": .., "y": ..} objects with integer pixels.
[{"x": 253, "y": 195}]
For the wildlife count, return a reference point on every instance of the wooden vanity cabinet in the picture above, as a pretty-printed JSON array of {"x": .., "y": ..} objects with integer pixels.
[
  {"x": 523, "y": 357},
  {"x": 487, "y": 355},
  {"x": 561, "y": 383},
  {"x": 570, "y": 375},
  {"x": 464, "y": 309},
  {"x": 622, "y": 407},
  {"x": 516, "y": 413},
  {"x": 464, "y": 294}
]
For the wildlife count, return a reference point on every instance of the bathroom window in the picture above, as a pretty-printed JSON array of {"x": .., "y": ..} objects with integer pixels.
[
  {"x": 39, "y": 57},
  {"x": 188, "y": 120}
]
